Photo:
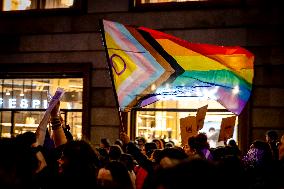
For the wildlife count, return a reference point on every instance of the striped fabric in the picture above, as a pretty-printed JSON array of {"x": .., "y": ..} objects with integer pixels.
[{"x": 148, "y": 65}]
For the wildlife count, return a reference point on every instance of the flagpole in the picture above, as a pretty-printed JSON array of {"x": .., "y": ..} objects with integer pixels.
[{"x": 121, "y": 128}]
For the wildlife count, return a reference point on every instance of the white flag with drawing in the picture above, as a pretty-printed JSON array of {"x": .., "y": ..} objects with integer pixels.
[{"x": 41, "y": 130}]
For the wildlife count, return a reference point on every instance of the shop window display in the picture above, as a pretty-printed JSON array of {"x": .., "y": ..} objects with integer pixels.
[
  {"x": 162, "y": 119},
  {"x": 24, "y": 101},
  {"x": 12, "y": 5}
]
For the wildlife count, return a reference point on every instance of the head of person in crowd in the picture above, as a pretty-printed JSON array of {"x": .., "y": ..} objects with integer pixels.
[
  {"x": 159, "y": 143},
  {"x": 258, "y": 156},
  {"x": 260, "y": 167},
  {"x": 119, "y": 143},
  {"x": 149, "y": 148},
  {"x": 227, "y": 158},
  {"x": 201, "y": 141},
  {"x": 190, "y": 147},
  {"x": 196, "y": 173},
  {"x": 169, "y": 145},
  {"x": 141, "y": 141},
  {"x": 129, "y": 162},
  {"x": 19, "y": 163},
  {"x": 103, "y": 155},
  {"x": 155, "y": 155},
  {"x": 28, "y": 141},
  {"x": 132, "y": 148},
  {"x": 79, "y": 163},
  {"x": 155, "y": 158},
  {"x": 233, "y": 148},
  {"x": 271, "y": 136},
  {"x": 170, "y": 157},
  {"x": 199, "y": 146},
  {"x": 114, "y": 175},
  {"x": 272, "y": 139},
  {"x": 105, "y": 143},
  {"x": 281, "y": 148},
  {"x": 115, "y": 152},
  {"x": 219, "y": 153},
  {"x": 163, "y": 141},
  {"x": 232, "y": 143},
  {"x": 173, "y": 143}
]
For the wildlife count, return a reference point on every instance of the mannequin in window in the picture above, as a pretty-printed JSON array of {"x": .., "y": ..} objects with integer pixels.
[{"x": 212, "y": 137}]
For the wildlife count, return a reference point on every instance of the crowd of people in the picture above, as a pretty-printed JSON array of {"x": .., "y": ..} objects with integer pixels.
[{"x": 62, "y": 162}]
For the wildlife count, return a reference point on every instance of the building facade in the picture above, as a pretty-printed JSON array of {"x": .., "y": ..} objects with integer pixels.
[{"x": 59, "y": 43}]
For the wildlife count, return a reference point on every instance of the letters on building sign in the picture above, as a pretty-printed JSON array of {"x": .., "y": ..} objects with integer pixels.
[{"x": 23, "y": 103}]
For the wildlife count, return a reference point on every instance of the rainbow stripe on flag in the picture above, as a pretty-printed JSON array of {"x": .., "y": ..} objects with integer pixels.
[{"x": 147, "y": 64}]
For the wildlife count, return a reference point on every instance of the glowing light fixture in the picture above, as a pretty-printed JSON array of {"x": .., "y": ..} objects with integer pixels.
[
  {"x": 22, "y": 91},
  {"x": 68, "y": 3},
  {"x": 8, "y": 93}
]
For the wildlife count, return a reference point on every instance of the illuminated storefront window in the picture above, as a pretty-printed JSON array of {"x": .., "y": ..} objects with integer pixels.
[
  {"x": 167, "y": 1},
  {"x": 24, "y": 101},
  {"x": 162, "y": 119},
  {"x": 180, "y": 4},
  {"x": 11, "y": 5},
  {"x": 182, "y": 1}
]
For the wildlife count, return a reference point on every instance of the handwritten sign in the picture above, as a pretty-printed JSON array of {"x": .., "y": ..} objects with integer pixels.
[
  {"x": 200, "y": 116},
  {"x": 227, "y": 128},
  {"x": 188, "y": 128}
]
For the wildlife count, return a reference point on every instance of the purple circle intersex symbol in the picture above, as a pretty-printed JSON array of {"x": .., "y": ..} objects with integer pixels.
[{"x": 112, "y": 64}]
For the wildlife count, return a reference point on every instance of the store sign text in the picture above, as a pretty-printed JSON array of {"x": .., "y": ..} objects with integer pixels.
[{"x": 22, "y": 103}]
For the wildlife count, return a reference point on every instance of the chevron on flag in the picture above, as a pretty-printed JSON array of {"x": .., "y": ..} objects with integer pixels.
[{"x": 147, "y": 65}]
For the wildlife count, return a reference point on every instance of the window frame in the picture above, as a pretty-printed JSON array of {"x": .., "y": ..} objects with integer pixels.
[
  {"x": 134, "y": 111},
  {"x": 56, "y": 70},
  {"x": 79, "y": 6}
]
